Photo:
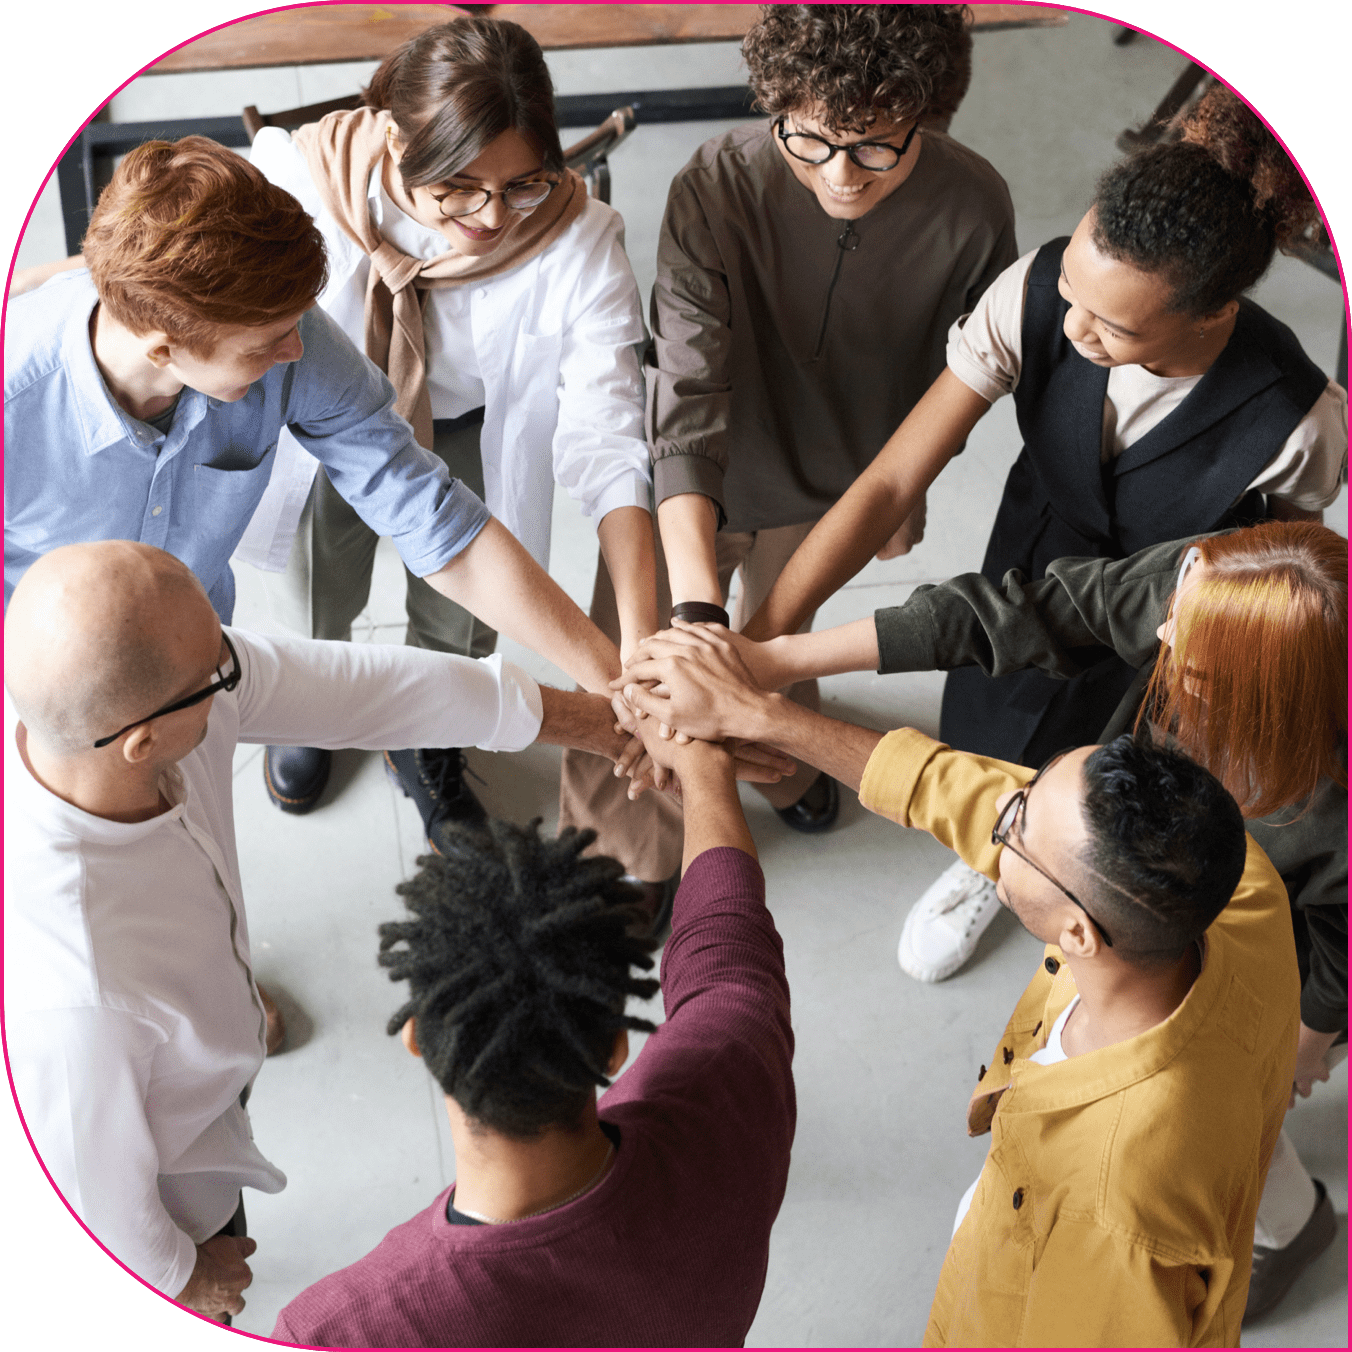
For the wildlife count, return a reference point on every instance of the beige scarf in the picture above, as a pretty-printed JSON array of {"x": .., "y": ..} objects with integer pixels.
[{"x": 341, "y": 150}]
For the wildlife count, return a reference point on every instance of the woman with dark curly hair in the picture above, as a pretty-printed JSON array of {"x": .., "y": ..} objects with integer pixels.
[
  {"x": 1155, "y": 402},
  {"x": 808, "y": 269}
]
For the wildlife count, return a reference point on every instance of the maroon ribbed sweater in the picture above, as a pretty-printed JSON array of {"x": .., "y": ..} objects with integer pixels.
[{"x": 671, "y": 1248}]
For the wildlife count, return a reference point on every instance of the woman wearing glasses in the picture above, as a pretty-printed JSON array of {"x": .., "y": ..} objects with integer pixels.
[
  {"x": 471, "y": 266},
  {"x": 808, "y": 268},
  {"x": 1155, "y": 401}
]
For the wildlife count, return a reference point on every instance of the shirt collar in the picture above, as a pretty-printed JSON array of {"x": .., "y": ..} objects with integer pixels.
[
  {"x": 1095, "y": 1075},
  {"x": 103, "y": 421}
]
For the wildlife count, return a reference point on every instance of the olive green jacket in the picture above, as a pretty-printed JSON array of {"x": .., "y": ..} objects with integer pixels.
[{"x": 1062, "y": 624}]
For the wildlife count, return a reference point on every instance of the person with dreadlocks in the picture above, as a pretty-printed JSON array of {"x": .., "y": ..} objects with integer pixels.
[
  {"x": 1155, "y": 401},
  {"x": 639, "y": 1220},
  {"x": 134, "y": 1027},
  {"x": 1137, "y": 1093}
]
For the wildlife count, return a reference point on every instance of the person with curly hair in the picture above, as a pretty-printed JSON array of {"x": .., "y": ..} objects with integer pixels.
[
  {"x": 641, "y": 1220},
  {"x": 1155, "y": 402},
  {"x": 808, "y": 268}
]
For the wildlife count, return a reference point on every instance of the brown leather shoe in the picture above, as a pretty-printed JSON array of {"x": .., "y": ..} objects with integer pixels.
[
  {"x": 1275, "y": 1270},
  {"x": 276, "y": 1034}
]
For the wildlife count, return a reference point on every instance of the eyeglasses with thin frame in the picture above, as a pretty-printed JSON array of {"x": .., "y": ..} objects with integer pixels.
[
  {"x": 466, "y": 201},
  {"x": 876, "y": 156},
  {"x": 226, "y": 683},
  {"x": 1005, "y": 823}
]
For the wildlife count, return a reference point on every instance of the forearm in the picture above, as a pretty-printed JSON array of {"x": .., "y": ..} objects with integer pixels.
[
  {"x": 842, "y": 750},
  {"x": 579, "y": 720},
  {"x": 828, "y": 652},
  {"x": 712, "y": 809},
  {"x": 626, "y": 537},
  {"x": 689, "y": 526},
  {"x": 495, "y": 579},
  {"x": 1281, "y": 510},
  {"x": 875, "y": 506},
  {"x": 30, "y": 278}
]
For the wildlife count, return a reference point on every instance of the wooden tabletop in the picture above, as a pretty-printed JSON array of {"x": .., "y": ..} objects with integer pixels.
[{"x": 312, "y": 34}]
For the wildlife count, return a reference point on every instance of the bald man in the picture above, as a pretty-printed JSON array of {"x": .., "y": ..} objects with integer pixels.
[{"x": 135, "y": 1026}]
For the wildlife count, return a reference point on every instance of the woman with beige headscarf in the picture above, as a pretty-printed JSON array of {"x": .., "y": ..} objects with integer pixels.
[{"x": 470, "y": 265}]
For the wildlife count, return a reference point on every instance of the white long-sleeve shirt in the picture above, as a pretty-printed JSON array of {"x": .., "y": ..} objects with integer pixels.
[
  {"x": 132, "y": 1019},
  {"x": 549, "y": 348}
]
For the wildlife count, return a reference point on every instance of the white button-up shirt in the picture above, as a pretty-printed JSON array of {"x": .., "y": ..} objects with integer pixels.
[
  {"x": 550, "y": 349},
  {"x": 132, "y": 1018}
]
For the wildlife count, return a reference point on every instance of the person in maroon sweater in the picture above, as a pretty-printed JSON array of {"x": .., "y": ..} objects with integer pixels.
[{"x": 639, "y": 1220}]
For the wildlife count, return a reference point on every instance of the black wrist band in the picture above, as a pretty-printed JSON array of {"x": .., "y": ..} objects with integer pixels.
[{"x": 700, "y": 612}]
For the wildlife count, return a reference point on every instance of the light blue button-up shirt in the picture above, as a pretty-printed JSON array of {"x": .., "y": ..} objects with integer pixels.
[{"x": 78, "y": 467}]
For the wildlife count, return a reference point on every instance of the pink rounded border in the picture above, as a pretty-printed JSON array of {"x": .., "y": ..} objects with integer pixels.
[{"x": 310, "y": 4}]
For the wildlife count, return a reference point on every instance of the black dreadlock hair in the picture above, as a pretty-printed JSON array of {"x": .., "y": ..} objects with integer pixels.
[{"x": 518, "y": 962}]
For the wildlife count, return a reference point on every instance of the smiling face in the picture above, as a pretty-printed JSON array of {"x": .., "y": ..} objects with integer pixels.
[
  {"x": 241, "y": 356},
  {"x": 1120, "y": 316},
  {"x": 843, "y": 190},
  {"x": 509, "y": 159}
]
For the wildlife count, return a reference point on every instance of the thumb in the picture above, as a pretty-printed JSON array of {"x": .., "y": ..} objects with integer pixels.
[
  {"x": 640, "y": 697},
  {"x": 245, "y": 1245}
]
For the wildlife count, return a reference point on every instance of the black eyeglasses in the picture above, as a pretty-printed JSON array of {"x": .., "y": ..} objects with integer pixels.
[
  {"x": 222, "y": 683},
  {"x": 466, "y": 201},
  {"x": 1004, "y": 824},
  {"x": 877, "y": 156}
]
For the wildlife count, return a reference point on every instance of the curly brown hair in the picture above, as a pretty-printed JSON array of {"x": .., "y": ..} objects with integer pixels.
[
  {"x": 851, "y": 64},
  {"x": 190, "y": 238}
]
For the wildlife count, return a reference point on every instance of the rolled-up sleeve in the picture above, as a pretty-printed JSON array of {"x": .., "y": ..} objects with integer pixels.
[
  {"x": 341, "y": 409},
  {"x": 600, "y": 450},
  {"x": 689, "y": 372}
]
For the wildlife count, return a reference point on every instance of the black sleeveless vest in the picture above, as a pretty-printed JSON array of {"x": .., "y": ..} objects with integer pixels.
[{"x": 1186, "y": 476}]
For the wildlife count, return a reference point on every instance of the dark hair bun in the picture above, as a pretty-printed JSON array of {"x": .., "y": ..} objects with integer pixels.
[{"x": 1239, "y": 141}]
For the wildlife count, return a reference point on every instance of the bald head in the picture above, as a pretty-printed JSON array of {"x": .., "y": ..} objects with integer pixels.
[{"x": 99, "y": 634}]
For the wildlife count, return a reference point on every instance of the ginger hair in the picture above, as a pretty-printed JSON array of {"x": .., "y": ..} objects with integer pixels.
[
  {"x": 1255, "y": 687},
  {"x": 189, "y": 238}
]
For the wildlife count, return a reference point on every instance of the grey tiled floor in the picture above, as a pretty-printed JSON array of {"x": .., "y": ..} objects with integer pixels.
[{"x": 883, "y": 1065}]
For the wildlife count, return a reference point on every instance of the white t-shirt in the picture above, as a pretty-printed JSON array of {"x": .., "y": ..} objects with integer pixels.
[
  {"x": 985, "y": 352},
  {"x": 1046, "y": 1056}
]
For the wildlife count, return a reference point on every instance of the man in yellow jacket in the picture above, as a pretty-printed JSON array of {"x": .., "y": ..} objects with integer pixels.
[{"x": 1136, "y": 1095}]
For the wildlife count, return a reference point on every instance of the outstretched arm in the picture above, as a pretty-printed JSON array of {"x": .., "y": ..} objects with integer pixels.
[
  {"x": 495, "y": 579},
  {"x": 875, "y": 506}
]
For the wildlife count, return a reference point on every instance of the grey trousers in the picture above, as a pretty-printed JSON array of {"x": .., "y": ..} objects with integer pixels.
[
  {"x": 328, "y": 576},
  {"x": 646, "y": 836}
]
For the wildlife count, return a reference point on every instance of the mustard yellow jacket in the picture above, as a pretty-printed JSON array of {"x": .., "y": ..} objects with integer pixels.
[{"x": 1117, "y": 1202}]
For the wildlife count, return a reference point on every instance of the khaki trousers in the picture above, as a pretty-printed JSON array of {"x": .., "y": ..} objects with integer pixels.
[
  {"x": 328, "y": 576},
  {"x": 646, "y": 836}
]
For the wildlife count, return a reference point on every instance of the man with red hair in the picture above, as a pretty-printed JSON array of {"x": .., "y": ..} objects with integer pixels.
[{"x": 144, "y": 399}]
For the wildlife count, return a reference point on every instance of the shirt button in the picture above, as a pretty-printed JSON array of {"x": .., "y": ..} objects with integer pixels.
[
  {"x": 981, "y": 1074},
  {"x": 1051, "y": 965},
  {"x": 1018, "y": 1198},
  {"x": 155, "y": 511},
  {"x": 1007, "y": 1054}
]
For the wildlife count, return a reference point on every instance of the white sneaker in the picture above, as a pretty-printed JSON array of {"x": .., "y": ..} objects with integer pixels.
[{"x": 943, "y": 927}]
